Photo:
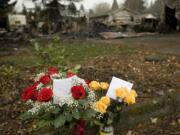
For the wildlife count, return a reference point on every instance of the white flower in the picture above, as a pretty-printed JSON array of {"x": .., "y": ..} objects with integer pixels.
[
  {"x": 91, "y": 97},
  {"x": 37, "y": 106},
  {"x": 37, "y": 78},
  {"x": 56, "y": 76},
  {"x": 39, "y": 86},
  {"x": 78, "y": 81},
  {"x": 99, "y": 116},
  {"x": 69, "y": 101}
]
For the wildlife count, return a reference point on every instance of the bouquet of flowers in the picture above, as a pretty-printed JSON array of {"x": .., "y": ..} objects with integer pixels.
[
  {"x": 109, "y": 109},
  {"x": 60, "y": 98}
]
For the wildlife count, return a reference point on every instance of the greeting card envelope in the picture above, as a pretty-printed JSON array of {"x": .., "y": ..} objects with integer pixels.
[
  {"x": 61, "y": 89},
  {"x": 117, "y": 83}
]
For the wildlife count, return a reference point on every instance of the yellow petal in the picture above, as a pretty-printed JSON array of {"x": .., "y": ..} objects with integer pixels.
[
  {"x": 94, "y": 85},
  {"x": 105, "y": 100},
  {"x": 133, "y": 92},
  {"x": 100, "y": 107},
  {"x": 130, "y": 99},
  {"x": 120, "y": 93},
  {"x": 104, "y": 85}
]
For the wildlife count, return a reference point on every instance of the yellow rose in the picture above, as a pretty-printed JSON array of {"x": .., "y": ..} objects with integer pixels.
[
  {"x": 100, "y": 107},
  {"x": 133, "y": 92},
  {"x": 121, "y": 92},
  {"x": 105, "y": 100},
  {"x": 104, "y": 85},
  {"x": 130, "y": 99},
  {"x": 94, "y": 85}
]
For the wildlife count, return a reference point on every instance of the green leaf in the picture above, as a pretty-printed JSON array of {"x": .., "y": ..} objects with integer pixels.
[
  {"x": 77, "y": 67},
  {"x": 36, "y": 46},
  {"x": 97, "y": 122},
  {"x": 88, "y": 113},
  {"x": 109, "y": 121},
  {"x": 56, "y": 110},
  {"x": 76, "y": 115},
  {"x": 118, "y": 108},
  {"x": 83, "y": 102},
  {"x": 26, "y": 116},
  {"x": 68, "y": 117},
  {"x": 59, "y": 121},
  {"x": 42, "y": 123}
]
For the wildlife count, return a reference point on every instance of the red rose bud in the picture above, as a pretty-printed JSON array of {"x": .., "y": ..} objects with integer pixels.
[
  {"x": 52, "y": 70},
  {"x": 45, "y": 79},
  {"x": 78, "y": 92},
  {"x": 45, "y": 95},
  {"x": 70, "y": 74},
  {"x": 30, "y": 93},
  {"x": 87, "y": 81},
  {"x": 81, "y": 122},
  {"x": 79, "y": 128}
]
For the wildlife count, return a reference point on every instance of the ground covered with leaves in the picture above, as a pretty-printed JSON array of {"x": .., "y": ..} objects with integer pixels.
[{"x": 155, "y": 73}]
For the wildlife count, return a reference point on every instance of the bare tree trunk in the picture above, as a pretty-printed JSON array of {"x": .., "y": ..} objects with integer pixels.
[{"x": 168, "y": 16}]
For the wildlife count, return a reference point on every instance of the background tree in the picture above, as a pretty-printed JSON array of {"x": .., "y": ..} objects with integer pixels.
[
  {"x": 47, "y": 1},
  {"x": 52, "y": 10},
  {"x": 82, "y": 8},
  {"x": 24, "y": 11},
  {"x": 102, "y": 8},
  {"x": 115, "y": 5},
  {"x": 6, "y": 7},
  {"x": 91, "y": 12},
  {"x": 135, "y": 5},
  {"x": 156, "y": 8},
  {"x": 72, "y": 8}
]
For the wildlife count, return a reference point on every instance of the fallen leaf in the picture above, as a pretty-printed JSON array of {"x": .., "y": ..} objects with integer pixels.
[
  {"x": 154, "y": 101},
  {"x": 129, "y": 132},
  {"x": 173, "y": 123},
  {"x": 179, "y": 121},
  {"x": 154, "y": 120}
]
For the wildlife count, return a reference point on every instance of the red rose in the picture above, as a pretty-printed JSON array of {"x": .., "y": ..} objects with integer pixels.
[
  {"x": 45, "y": 95},
  {"x": 52, "y": 70},
  {"x": 45, "y": 79},
  {"x": 30, "y": 93},
  {"x": 87, "y": 81},
  {"x": 78, "y": 92},
  {"x": 70, "y": 74},
  {"x": 79, "y": 128}
]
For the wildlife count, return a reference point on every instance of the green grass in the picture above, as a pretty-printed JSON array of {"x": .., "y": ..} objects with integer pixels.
[
  {"x": 20, "y": 60},
  {"x": 75, "y": 52}
]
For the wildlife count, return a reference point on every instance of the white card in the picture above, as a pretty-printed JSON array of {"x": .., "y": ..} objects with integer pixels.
[
  {"x": 61, "y": 89},
  {"x": 117, "y": 83}
]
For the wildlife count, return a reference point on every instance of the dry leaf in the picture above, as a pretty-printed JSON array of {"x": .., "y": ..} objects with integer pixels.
[{"x": 154, "y": 120}]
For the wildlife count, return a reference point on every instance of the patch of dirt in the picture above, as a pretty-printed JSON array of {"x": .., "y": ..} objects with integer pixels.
[
  {"x": 169, "y": 125},
  {"x": 151, "y": 79},
  {"x": 10, "y": 106}
]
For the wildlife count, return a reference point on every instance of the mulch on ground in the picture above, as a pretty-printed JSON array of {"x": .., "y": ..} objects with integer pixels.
[{"x": 151, "y": 78}]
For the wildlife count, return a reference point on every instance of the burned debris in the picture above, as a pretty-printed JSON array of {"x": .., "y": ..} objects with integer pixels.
[
  {"x": 120, "y": 19},
  {"x": 63, "y": 18}
]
